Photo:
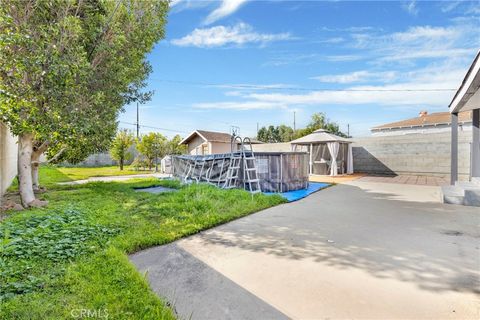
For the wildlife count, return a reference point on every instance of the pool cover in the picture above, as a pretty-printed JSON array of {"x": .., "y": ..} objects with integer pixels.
[{"x": 302, "y": 193}]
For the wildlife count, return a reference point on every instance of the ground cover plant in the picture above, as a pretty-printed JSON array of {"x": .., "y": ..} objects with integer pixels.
[{"x": 72, "y": 255}]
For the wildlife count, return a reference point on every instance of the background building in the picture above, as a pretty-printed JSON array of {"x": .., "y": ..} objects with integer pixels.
[{"x": 425, "y": 123}]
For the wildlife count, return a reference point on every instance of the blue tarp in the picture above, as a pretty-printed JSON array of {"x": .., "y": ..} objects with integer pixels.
[{"x": 302, "y": 193}]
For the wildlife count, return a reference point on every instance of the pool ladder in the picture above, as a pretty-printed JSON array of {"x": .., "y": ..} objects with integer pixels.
[{"x": 250, "y": 175}]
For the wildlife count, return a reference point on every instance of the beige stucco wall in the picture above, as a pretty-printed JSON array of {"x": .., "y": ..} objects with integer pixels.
[
  {"x": 195, "y": 145},
  {"x": 220, "y": 147},
  {"x": 8, "y": 158}
]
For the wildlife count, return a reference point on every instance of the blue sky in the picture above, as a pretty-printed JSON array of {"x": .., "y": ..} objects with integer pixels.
[{"x": 237, "y": 62}]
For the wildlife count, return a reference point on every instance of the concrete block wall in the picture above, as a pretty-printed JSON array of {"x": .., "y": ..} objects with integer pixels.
[
  {"x": 418, "y": 154},
  {"x": 97, "y": 160},
  {"x": 272, "y": 147},
  {"x": 104, "y": 159},
  {"x": 8, "y": 158}
]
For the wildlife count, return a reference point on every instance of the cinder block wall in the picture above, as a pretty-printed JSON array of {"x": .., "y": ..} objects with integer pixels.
[
  {"x": 272, "y": 147},
  {"x": 418, "y": 154},
  {"x": 104, "y": 159},
  {"x": 8, "y": 158}
]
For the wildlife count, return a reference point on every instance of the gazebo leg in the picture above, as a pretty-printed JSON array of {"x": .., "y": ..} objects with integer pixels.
[{"x": 311, "y": 158}]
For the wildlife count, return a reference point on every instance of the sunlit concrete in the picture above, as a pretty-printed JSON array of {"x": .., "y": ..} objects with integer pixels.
[{"x": 362, "y": 250}]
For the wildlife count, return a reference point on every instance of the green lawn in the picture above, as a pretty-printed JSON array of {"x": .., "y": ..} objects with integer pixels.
[
  {"x": 51, "y": 175},
  {"x": 72, "y": 255}
]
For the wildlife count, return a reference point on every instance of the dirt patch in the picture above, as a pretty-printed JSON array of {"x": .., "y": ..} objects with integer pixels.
[{"x": 155, "y": 190}]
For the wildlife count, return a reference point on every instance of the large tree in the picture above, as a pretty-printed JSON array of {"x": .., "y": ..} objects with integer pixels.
[
  {"x": 120, "y": 147},
  {"x": 66, "y": 69},
  {"x": 269, "y": 134},
  {"x": 320, "y": 121},
  {"x": 284, "y": 133},
  {"x": 272, "y": 134}
]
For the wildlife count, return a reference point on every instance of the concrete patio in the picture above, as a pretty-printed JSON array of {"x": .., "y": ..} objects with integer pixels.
[{"x": 360, "y": 249}]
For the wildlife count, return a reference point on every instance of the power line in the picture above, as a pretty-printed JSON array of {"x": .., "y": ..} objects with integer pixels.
[
  {"x": 150, "y": 127},
  {"x": 285, "y": 88}
]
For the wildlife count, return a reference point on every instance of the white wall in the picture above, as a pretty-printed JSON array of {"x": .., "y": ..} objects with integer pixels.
[{"x": 8, "y": 158}]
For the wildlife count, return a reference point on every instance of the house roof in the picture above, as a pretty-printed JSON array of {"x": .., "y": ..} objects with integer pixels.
[
  {"x": 319, "y": 136},
  {"x": 467, "y": 96},
  {"x": 212, "y": 136},
  {"x": 432, "y": 119}
]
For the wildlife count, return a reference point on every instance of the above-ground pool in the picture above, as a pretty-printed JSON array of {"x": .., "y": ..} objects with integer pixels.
[
  {"x": 282, "y": 171},
  {"x": 276, "y": 171}
]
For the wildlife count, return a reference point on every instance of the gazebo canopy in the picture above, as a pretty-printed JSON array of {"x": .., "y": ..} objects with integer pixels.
[{"x": 320, "y": 136}]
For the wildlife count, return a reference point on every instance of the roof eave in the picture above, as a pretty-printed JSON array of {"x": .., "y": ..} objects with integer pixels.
[
  {"x": 188, "y": 138},
  {"x": 470, "y": 85}
]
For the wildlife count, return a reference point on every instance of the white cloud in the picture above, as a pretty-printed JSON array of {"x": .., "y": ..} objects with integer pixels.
[
  {"x": 474, "y": 9},
  {"x": 348, "y": 29},
  {"x": 390, "y": 95},
  {"x": 226, "y": 8},
  {"x": 292, "y": 58},
  {"x": 447, "y": 6},
  {"x": 420, "y": 42},
  {"x": 357, "y": 76},
  {"x": 250, "y": 86},
  {"x": 426, "y": 33},
  {"x": 218, "y": 36},
  {"x": 445, "y": 76},
  {"x": 241, "y": 106},
  {"x": 173, "y": 3},
  {"x": 233, "y": 93},
  {"x": 411, "y": 7},
  {"x": 333, "y": 40},
  {"x": 412, "y": 89},
  {"x": 342, "y": 58},
  {"x": 181, "y": 5},
  {"x": 308, "y": 58}
]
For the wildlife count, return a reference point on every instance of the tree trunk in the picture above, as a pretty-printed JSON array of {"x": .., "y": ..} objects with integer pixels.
[
  {"x": 35, "y": 168},
  {"x": 25, "y": 185},
  {"x": 121, "y": 164}
]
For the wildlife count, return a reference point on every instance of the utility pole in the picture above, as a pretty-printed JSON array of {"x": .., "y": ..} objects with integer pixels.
[
  {"x": 294, "y": 124},
  {"x": 138, "y": 123},
  {"x": 257, "y": 129},
  {"x": 348, "y": 130}
]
